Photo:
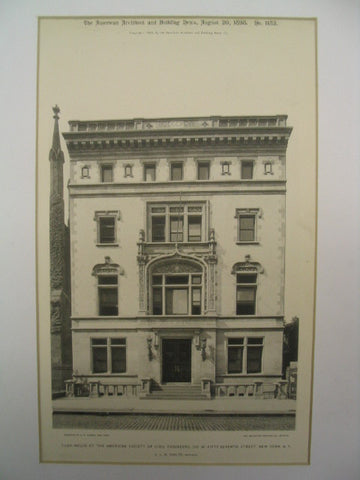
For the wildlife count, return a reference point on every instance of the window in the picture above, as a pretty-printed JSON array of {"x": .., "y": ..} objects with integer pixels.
[
  {"x": 85, "y": 172},
  {"x": 108, "y": 355},
  {"x": 108, "y": 295},
  {"x": 225, "y": 168},
  {"x": 254, "y": 354},
  {"x": 106, "y": 227},
  {"x": 176, "y": 171},
  {"x": 99, "y": 355},
  {"x": 247, "y": 170},
  {"x": 158, "y": 226},
  {"x": 128, "y": 171},
  {"x": 203, "y": 170},
  {"x": 149, "y": 172},
  {"x": 194, "y": 228},
  {"x": 245, "y": 355},
  {"x": 245, "y": 293},
  {"x": 176, "y": 294},
  {"x": 176, "y": 223},
  {"x": 106, "y": 173},
  {"x": 235, "y": 355},
  {"x": 246, "y": 228},
  {"x": 247, "y": 224}
]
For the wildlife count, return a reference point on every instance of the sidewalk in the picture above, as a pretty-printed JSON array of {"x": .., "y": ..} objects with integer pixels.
[{"x": 223, "y": 406}]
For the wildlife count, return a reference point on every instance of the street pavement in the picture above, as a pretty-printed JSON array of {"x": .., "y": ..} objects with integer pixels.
[{"x": 173, "y": 422}]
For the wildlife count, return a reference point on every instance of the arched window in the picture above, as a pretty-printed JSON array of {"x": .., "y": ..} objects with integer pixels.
[{"x": 176, "y": 287}]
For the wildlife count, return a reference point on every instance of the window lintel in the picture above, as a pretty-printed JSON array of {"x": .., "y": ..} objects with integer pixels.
[
  {"x": 107, "y": 213},
  {"x": 248, "y": 211},
  {"x": 248, "y": 266},
  {"x": 107, "y": 268}
]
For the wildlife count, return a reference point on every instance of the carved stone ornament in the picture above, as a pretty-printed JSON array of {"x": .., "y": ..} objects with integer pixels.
[
  {"x": 176, "y": 266},
  {"x": 107, "y": 268},
  {"x": 247, "y": 266}
]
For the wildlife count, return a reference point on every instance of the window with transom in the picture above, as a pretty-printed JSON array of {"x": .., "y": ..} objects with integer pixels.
[
  {"x": 176, "y": 222},
  {"x": 244, "y": 355},
  {"x": 176, "y": 294},
  {"x": 108, "y": 355}
]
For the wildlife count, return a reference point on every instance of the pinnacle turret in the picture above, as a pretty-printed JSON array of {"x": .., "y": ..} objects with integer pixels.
[{"x": 56, "y": 147}]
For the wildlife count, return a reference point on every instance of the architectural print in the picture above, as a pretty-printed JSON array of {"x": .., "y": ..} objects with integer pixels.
[{"x": 177, "y": 259}]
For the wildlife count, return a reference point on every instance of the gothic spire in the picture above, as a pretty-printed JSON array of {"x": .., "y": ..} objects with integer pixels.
[{"x": 56, "y": 147}]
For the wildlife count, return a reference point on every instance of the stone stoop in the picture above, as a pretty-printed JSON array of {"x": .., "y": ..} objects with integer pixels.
[{"x": 175, "y": 392}]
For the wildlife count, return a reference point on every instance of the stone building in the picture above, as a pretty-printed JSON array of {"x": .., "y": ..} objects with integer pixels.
[
  {"x": 60, "y": 299},
  {"x": 177, "y": 230}
]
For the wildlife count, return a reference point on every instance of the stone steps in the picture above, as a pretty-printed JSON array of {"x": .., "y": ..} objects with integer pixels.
[{"x": 176, "y": 392}]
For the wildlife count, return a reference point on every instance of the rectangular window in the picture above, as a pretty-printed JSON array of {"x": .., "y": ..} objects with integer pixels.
[
  {"x": 196, "y": 301},
  {"x": 108, "y": 295},
  {"x": 245, "y": 294},
  {"x": 176, "y": 223},
  {"x": 245, "y": 355},
  {"x": 194, "y": 230},
  {"x": 235, "y": 355},
  {"x": 176, "y": 229},
  {"x": 106, "y": 173},
  {"x": 176, "y": 171},
  {"x": 158, "y": 228},
  {"x": 254, "y": 354},
  {"x": 246, "y": 228},
  {"x": 108, "y": 355},
  {"x": 99, "y": 355},
  {"x": 149, "y": 172},
  {"x": 157, "y": 301},
  {"x": 176, "y": 301},
  {"x": 118, "y": 355},
  {"x": 203, "y": 170},
  {"x": 247, "y": 170},
  {"x": 176, "y": 294},
  {"x": 106, "y": 229}
]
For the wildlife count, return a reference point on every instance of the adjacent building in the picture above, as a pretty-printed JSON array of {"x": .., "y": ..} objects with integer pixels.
[
  {"x": 177, "y": 234},
  {"x": 60, "y": 297}
]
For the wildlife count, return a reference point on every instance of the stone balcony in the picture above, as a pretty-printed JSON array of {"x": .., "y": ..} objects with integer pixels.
[{"x": 154, "y": 249}]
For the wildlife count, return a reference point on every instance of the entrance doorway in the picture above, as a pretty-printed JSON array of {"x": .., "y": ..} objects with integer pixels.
[{"x": 176, "y": 360}]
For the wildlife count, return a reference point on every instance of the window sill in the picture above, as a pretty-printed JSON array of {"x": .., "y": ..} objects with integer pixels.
[
  {"x": 248, "y": 242},
  {"x": 107, "y": 244},
  {"x": 232, "y": 375}
]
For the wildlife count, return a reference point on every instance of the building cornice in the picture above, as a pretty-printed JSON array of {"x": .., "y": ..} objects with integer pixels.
[
  {"x": 127, "y": 135},
  {"x": 129, "y": 141}
]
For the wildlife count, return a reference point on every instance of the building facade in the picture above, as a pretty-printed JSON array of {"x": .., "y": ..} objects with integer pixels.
[{"x": 177, "y": 232}]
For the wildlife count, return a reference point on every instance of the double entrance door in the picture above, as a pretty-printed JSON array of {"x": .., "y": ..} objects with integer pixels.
[{"x": 176, "y": 360}]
